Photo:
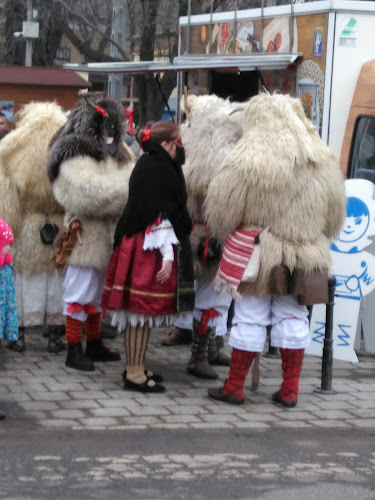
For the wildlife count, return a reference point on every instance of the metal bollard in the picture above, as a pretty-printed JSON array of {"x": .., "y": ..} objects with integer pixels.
[{"x": 327, "y": 359}]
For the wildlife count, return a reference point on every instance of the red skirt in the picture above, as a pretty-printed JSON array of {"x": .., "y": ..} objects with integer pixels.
[{"x": 131, "y": 280}]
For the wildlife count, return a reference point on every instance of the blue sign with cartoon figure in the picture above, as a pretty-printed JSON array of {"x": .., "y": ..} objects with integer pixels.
[{"x": 354, "y": 270}]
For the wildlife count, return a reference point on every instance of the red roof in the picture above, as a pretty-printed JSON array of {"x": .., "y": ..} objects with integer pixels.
[{"x": 21, "y": 75}]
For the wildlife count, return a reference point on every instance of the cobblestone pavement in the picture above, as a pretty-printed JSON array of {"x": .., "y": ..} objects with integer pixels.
[{"x": 37, "y": 387}]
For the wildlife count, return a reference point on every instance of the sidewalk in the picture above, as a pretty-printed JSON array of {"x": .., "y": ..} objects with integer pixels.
[{"x": 37, "y": 387}]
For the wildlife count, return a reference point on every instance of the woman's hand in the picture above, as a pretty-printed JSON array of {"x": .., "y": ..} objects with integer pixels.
[{"x": 165, "y": 272}]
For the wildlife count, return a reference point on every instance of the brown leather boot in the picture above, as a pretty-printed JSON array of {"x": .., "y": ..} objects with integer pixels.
[
  {"x": 198, "y": 364},
  {"x": 178, "y": 336},
  {"x": 216, "y": 356}
]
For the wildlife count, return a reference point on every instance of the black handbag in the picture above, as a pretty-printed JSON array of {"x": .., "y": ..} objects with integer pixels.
[{"x": 49, "y": 232}]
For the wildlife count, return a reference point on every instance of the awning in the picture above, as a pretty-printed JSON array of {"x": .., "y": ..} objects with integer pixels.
[{"x": 239, "y": 62}]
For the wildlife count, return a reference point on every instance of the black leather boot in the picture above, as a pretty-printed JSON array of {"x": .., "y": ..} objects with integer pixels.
[
  {"x": 77, "y": 360},
  {"x": 198, "y": 363},
  {"x": 215, "y": 353},
  {"x": 97, "y": 351}
]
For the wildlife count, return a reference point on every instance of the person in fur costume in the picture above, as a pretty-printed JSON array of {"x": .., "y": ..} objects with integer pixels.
[
  {"x": 282, "y": 178},
  {"x": 208, "y": 134},
  {"x": 89, "y": 167},
  {"x": 27, "y": 203},
  {"x": 150, "y": 276}
]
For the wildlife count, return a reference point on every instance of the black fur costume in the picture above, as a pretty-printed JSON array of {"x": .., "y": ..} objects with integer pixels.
[{"x": 86, "y": 133}]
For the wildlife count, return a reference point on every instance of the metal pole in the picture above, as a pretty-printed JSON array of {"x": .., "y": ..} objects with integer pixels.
[
  {"x": 29, "y": 41},
  {"x": 187, "y": 49},
  {"x": 115, "y": 82},
  {"x": 327, "y": 359}
]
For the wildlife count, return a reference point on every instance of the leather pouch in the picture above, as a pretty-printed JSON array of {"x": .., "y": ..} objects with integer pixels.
[
  {"x": 309, "y": 287},
  {"x": 280, "y": 280}
]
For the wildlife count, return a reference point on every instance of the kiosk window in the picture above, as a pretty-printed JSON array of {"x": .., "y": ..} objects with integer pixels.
[{"x": 362, "y": 157}]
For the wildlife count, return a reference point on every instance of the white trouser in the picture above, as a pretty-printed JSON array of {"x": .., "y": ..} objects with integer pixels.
[
  {"x": 206, "y": 297},
  {"x": 84, "y": 286},
  {"x": 39, "y": 298},
  {"x": 252, "y": 315}
]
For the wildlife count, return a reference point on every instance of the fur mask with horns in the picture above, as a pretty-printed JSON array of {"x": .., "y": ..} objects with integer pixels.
[{"x": 92, "y": 129}]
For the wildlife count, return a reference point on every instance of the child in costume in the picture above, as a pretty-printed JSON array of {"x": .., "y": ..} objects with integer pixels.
[
  {"x": 146, "y": 269},
  {"x": 282, "y": 178},
  {"x": 8, "y": 308},
  {"x": 89, "y": 167}
]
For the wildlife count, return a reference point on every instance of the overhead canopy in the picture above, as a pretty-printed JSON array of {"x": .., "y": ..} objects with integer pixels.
[{"x": 239, "y": 62}]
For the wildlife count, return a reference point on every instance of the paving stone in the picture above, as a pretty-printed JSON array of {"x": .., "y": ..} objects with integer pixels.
[
  {"x": 364, "y": 404},
  {"x": 89, "y": 395},
  {"x": 85, "y": 404},
  {"x": 295, "y": 414},
  {"x": 363, "y": 422},
  {"x": 251, "y": 425},
  {"x": 254, "y": 417},
  {"x": 58, "y": 423},
  {"x": 139, "y": 420},
  {"x": 329, "y": 423},
  {"x": 99, "y": 422},
  {"x": 18, "y": 397},
  {"x": 214, "y": 425},
  {"x": 332, "y": 414},
  {"x": 48, "y": 396},
  {"x": 224, "y": 408},
  {"x": 186, "y": 419},
  {"x": 69, "y": 386},
  {"x": 29, "y": 387},
  {"x": 292, "y": 424},
  {"x": 119, "y": 403},
  {"x": 336, "y": 405},
  {"x": 187, "y": 410},
  {"x": 68, "y": 414},
  {"x": 110, "y": 412},
  {"x": 363, "y": 412},
  {"x": 149, "y": 410},
  {"x": 38, "y": 405}
]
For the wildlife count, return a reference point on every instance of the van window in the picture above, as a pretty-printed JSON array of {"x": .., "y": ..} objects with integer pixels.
[{"x": 362, "y": 154}]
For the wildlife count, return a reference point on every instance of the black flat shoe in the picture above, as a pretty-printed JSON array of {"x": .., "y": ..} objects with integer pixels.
[
  {"x": 145, "y": 387},
  {"x": 217, "y": 393},
  {"x": 155, "y": 376}
]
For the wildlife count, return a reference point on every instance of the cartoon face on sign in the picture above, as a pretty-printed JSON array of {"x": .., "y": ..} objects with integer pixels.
[
  {"x": 359, "y": 224},
  {"x": 357, "y": 221}
]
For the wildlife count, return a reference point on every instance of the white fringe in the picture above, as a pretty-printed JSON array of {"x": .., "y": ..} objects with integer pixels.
[
  {"x": 122, "y": 317},
  {"x": 223, "y": 286}
]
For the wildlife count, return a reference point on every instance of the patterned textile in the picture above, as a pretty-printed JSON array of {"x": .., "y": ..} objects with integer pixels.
[
  {"x": 238, "y": 248},
  {"x": 240, "y": 364},
  {"x": 8, "y": 307},
  {"x": 131, "y": 284},
  {"x": 292, "y": 360}
]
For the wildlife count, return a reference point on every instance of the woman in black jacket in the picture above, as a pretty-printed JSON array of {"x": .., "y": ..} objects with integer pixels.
[{"x": 150, "y": 276}]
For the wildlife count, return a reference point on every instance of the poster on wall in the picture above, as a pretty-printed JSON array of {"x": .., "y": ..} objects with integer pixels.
[{"x": 7, "y": 107}]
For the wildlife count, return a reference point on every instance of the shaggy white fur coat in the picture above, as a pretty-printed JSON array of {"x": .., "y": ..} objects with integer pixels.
[
  {"x": 26, "y": 193},
  {"x": 95, "y": 193},
  {"x": 208, "y": 135},
  {"x": 280, "y": 175}
]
